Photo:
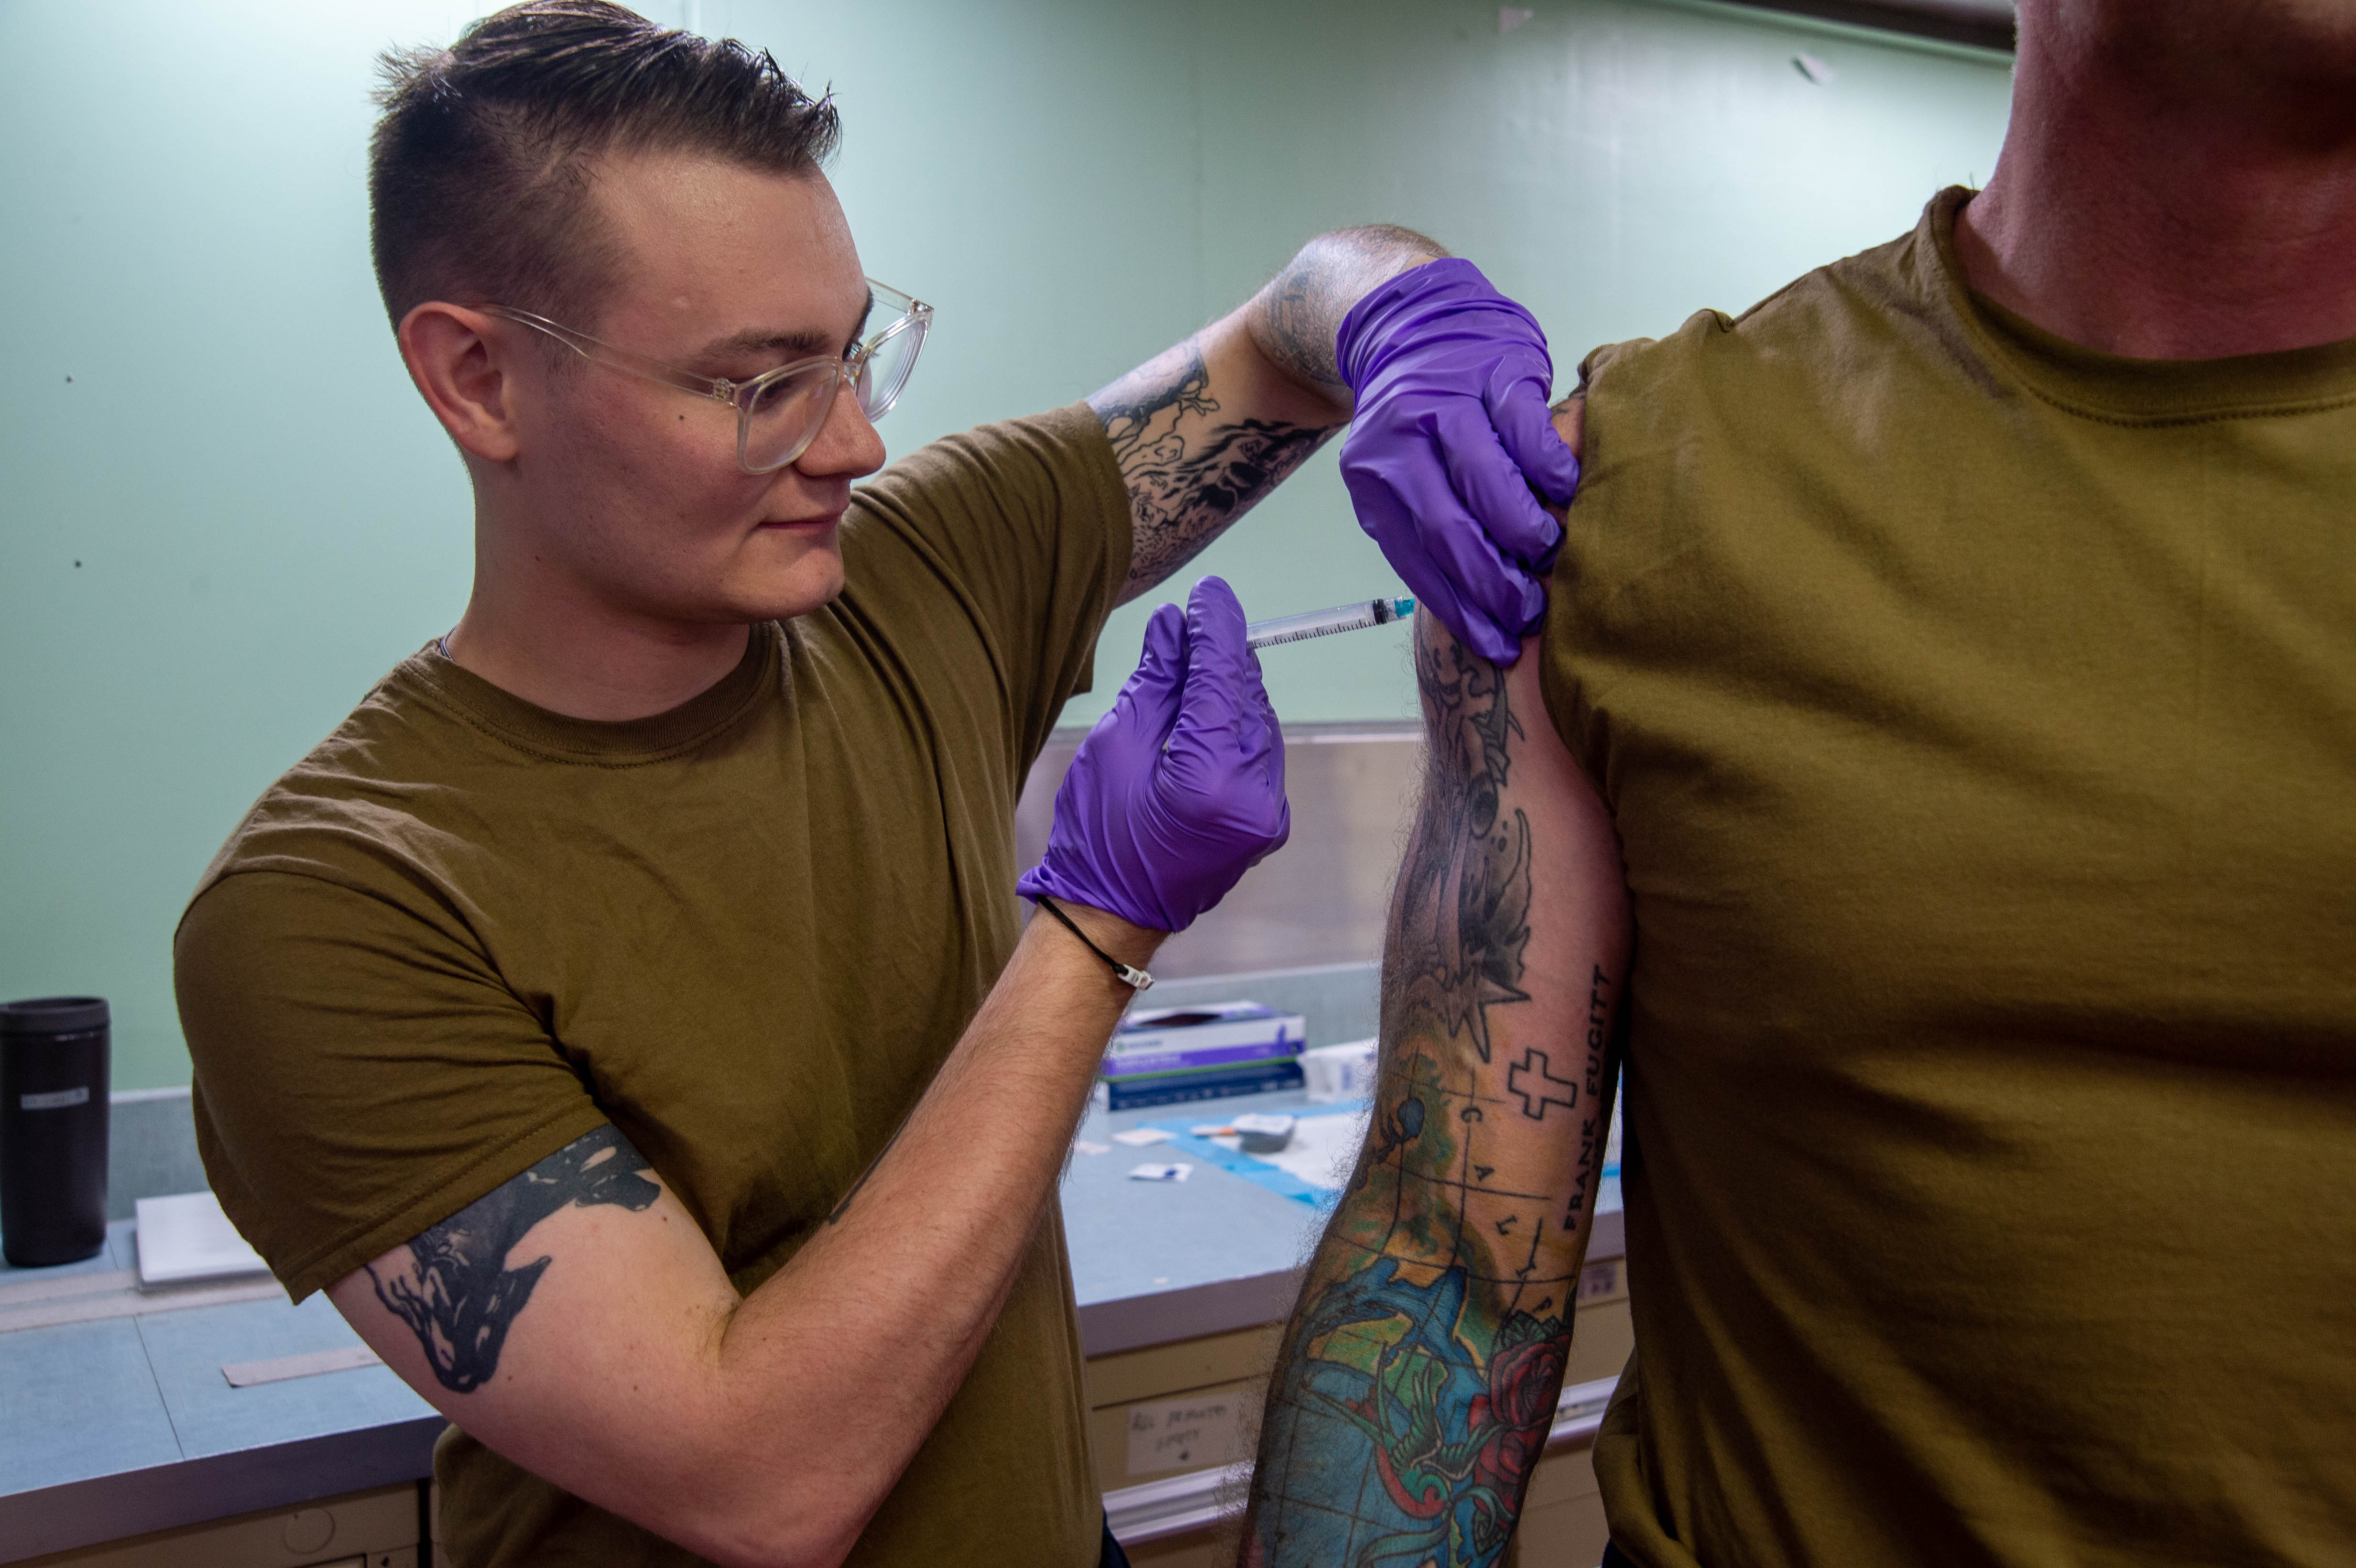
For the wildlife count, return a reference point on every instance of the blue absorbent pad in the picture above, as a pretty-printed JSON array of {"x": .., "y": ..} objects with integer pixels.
[{"x": 1282, "y": 1182}]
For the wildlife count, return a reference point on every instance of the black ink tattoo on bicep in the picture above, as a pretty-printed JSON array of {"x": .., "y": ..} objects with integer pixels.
[
  {"x": 1190, "y": 474},
  {"x": 460, "y": 1296}
]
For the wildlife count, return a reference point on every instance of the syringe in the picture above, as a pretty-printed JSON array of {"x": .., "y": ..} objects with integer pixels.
[{"x": 1323, "y": 622}]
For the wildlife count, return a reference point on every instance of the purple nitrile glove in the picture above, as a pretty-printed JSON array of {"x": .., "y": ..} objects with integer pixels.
[
  {"x": 1178, "y": 790},
  {"x": 1452, "y": 434}
]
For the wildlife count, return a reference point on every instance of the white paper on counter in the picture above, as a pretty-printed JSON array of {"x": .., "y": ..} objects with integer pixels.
[
  {"x": 186, "y": 1237},
  {"x": 1322, "y": 1150}
]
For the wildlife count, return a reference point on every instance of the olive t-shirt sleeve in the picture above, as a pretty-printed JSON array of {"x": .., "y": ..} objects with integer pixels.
[
  {"x": 1025, "y": 528},
  {"x": 360, "y": 1072}
]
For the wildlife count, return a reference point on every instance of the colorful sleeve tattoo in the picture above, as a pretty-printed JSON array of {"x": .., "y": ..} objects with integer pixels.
[{"x": 1418, "y": 1378}]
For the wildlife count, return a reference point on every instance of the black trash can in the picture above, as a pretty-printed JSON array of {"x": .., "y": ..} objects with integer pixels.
[{"x": 53, "y": 1083}]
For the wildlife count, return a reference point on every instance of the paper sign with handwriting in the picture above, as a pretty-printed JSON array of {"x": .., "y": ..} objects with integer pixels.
[{"x": 1186, "y": 1433}]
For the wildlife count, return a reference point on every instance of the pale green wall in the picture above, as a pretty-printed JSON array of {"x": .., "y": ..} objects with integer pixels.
[{"x": 265, "y": 520}]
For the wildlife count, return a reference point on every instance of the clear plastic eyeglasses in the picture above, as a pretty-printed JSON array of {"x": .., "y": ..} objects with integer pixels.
[{"x": 779, "y": 412}]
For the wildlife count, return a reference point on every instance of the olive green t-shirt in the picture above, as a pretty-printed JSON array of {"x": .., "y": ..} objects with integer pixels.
[
  {"x": 465, "y": 930},
  {"x": 1978, "y": 713}
]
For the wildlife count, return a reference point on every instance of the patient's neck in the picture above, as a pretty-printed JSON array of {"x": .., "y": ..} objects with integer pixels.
[{"x": 2160, "y": 208}]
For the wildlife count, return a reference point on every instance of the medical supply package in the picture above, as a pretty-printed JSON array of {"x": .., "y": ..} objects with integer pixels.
[{"x": 1168, "y": 1056}]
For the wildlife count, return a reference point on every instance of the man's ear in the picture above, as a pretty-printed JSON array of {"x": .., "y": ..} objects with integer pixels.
[{"x": 462, "y": 375}]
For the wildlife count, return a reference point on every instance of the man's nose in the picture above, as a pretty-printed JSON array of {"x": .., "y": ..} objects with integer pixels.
[{"x": 847, "y": 444}]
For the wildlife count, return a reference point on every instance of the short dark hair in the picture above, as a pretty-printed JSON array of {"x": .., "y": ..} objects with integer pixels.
[{"x": 480, "y": 169}]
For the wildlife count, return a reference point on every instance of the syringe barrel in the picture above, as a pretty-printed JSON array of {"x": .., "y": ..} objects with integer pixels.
[{"x": 1317, "y": 623}]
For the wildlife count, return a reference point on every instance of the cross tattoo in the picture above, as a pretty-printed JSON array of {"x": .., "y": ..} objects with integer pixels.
[{"x": 1542, "y": 1085}]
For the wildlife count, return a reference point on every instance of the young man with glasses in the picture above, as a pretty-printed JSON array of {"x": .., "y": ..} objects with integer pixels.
[{"x": 625, "y": 1015}]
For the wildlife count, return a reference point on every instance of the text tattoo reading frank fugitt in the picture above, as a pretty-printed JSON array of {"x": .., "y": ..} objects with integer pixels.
[{"x": 1417, "y": 1381}]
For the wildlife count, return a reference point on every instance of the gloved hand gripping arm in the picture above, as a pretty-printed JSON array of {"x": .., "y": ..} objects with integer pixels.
[
  {"x": 1451, "y": 436},
  {"x": 1446, "y": 381}
]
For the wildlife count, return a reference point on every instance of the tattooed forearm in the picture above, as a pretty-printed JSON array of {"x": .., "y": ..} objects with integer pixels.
[
  {"x": 1417, "y": 1380},
  {"x": 460, "y": 1296},
  {"x": 1190, "y": 473},
  {"x": 1293, "y": 320},
  {"x": 1204, "y": 430}
]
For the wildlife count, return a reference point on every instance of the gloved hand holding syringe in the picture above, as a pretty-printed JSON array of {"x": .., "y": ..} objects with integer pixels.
[
  {"x": 1323, "y": 622},
  {"x": 1179, "y": 788}
]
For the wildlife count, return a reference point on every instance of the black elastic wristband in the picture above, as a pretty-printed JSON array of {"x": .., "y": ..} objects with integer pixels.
[{"x": 1127, "y": 974}]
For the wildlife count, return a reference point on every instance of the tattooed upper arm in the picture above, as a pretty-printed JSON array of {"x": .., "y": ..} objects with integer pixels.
[
  {"x": 1419, "y": 1374},
  {"x": 573, "y": 1319},
  {"x": 457, "y": 1290}
]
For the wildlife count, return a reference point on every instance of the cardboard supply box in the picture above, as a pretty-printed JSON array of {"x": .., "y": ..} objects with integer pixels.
[{"x": 1168, "y": 1056}]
